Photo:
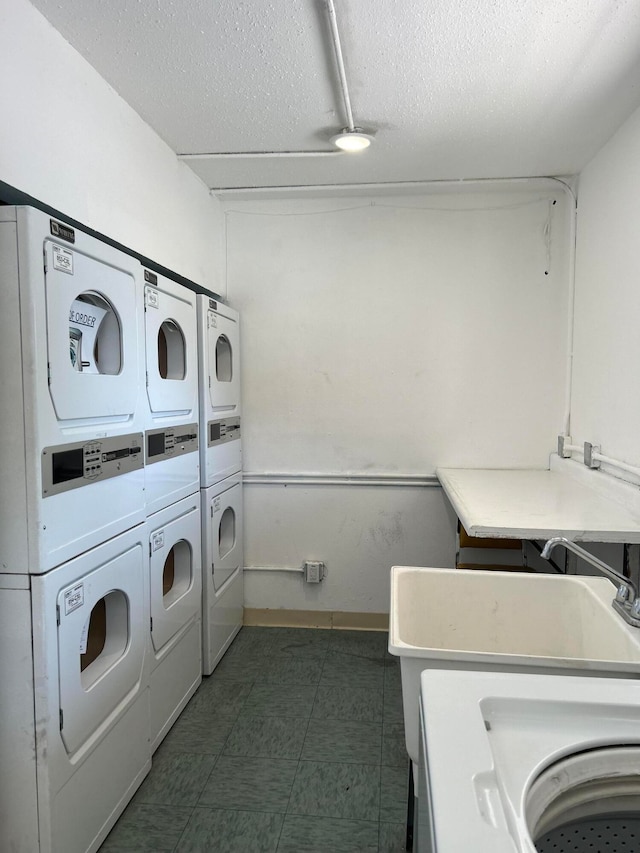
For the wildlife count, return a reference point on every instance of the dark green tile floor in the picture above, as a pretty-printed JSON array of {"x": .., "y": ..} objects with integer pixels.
[{"x": 295, "y": 744}]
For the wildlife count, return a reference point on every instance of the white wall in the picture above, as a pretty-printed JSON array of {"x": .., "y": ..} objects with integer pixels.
[
  {"x": 406, "y": 333},
  {"x": 388, "y": 336},
  {"x": 70, "y": 141},
  {"x": 358, "y": 531},
  {"x": 606, "y": 376}
]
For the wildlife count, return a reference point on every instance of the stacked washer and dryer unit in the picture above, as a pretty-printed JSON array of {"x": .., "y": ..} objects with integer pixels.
[
  {"x": 221, "y": 478},
  {"x": 172, "y": 481},
  {"x": 100, "y": 582},
  {"x": 74, "y": 733}
]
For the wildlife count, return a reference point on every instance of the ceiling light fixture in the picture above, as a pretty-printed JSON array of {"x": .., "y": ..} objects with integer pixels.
[{"x": 350, "y": 138}]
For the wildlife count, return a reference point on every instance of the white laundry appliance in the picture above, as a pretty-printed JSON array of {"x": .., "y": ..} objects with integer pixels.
[
  {"x": 175, "y": 588},
  {"x": 172, "y": 461},
  {"x": 520, "y": 763},
  {"x": 219, "y": 359},
  {"x": 74, "y": 727},
  {"x": 222, "y": 568},
  {"x": 71, "y": 372}
]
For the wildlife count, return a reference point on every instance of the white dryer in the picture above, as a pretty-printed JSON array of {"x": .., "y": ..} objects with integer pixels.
[
  {"x": 75, "y": 728},
  {"x": 219, "y": 359},
  {"x": 519, "y": 763},
  {"x": 71, "y": 372},
  {"x": 171, "y": 427},
  {"x": 175, "y": 587},
  {"x": 222, "y": 568}
]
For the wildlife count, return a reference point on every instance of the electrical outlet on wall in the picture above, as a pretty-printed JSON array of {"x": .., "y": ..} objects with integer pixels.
[{"x": 313, "y": 571}]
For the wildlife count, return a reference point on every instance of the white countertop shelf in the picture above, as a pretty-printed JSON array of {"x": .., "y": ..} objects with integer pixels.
[{"x": 567, "y": 500}]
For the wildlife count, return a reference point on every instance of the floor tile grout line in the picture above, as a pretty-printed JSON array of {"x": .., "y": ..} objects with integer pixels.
[
  {"x": 186, "y": 826},
  {"x": 301, "y": 749},
  {"x": 175, "y": 849},
  {"x": 221, "y": 748},
  {"x": 379, "y": 800},
  {"x": 237, "y": 809}
]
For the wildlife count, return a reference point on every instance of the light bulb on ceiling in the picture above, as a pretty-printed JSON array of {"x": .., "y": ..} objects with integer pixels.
[{"x": 352, "y": 139}]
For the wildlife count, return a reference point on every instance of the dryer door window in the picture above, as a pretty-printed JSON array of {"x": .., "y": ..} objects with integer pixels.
[
  {"x": 105, "y": 637},
  {"x": 92, "y": 338},
  {"x": 223, "y": 364},
  {"x": 227, "y": 532},
  {"x": 224, "y": 360},
  {"x": 175, "y": 572},
  {"x": 171, "y": 350},
  {"x": 101, "y": 643},
  {"x": 226, "y": 535}
]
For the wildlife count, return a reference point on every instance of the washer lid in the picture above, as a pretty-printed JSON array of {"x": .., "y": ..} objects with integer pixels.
[{"x": 489, "y": 735}]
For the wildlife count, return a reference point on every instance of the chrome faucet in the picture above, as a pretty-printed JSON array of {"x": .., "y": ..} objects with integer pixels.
[{"x": 626, "y": 602}]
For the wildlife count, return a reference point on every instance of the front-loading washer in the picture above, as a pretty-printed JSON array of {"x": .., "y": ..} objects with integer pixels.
[
  {"x": 71, "y": 370},
  {"x": 175, "y": 588},
  {"x": 172, "y": 461},
  {"x": 519, "y": 763},
  {"x": 220, "y": 406},
  {"x": 222, "y": 568},
  {"x": 74, "y": 731}
]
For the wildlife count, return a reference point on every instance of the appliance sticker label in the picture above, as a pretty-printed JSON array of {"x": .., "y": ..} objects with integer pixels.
[
  {"x": 62, "y": 259},
  {"x": 73, "y": 598},
  {"x": 216, "y": 504},
  {"x": 83, "y": 637},
  {"x": 151, "y": 297},
  {"x": 157, "y": 540},
  {"x": 213, "y": 323}
]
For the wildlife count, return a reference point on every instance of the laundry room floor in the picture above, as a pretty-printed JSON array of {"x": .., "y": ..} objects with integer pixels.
[{"x": 295, "y": 743}]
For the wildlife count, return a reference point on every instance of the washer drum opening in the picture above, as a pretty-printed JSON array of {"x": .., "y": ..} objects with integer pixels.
[{"x": 589, "y": 801}]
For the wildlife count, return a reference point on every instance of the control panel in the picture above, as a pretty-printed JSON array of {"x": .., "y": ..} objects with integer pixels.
[
  {"x": 221, "y": 431},
  {"x": 170, "y": 441},
  {"x": 79, "y": 463}
]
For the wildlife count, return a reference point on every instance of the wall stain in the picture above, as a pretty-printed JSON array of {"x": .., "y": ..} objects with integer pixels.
[{"x": 388, "y": 535}]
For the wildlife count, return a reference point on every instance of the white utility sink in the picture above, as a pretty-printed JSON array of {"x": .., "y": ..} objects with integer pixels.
[{"x": 504, "y": 621}]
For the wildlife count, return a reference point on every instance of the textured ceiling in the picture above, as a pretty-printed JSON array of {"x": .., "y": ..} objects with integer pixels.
[{"x": 464, "y": 89}]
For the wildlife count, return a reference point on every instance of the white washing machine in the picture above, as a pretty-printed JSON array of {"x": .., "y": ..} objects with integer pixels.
[
  {"x": 172, "y": 461},
  {"x": 71, "y": 372},
  {"x": 519, "y": 763},
  {"x": 74, "y": 728},
  {"x": 219, "y": 360},
  {"x": 175, "y": 587},
  {"x": 222, "y": 568}
]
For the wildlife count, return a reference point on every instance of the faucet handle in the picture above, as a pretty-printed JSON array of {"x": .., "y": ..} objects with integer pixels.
[
  {"x": 622, "y": 595},
  {"x": 635, "y": 608}
]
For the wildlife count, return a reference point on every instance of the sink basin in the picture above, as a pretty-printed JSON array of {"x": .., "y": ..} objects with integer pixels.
[{"x": 504, "y": 621}]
